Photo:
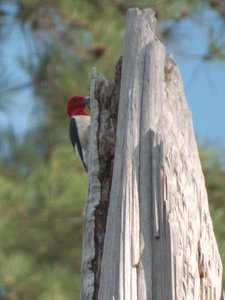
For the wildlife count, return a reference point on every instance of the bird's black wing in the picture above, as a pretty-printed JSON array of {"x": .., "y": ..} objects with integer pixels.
[{"x": 75, "y": 140}]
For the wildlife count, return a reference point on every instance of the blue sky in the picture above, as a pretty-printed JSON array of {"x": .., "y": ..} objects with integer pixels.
[
  {"x": 204, "y": 81},
  {"x": 205, "y": 92}
]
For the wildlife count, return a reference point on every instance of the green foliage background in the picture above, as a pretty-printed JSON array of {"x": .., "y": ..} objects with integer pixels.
[{"x": 42, "y": 185}]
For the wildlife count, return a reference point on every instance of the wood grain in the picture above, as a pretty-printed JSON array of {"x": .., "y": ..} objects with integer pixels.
[{"x": 158, "y": 242}]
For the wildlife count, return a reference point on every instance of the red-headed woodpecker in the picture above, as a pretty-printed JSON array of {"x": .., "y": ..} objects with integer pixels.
[{"x": 79, "y": 126}]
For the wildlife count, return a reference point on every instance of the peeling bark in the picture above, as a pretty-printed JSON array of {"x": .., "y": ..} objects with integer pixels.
[
  {"x": 107, "y": 96},
  {"x": 104, "y": 113}
]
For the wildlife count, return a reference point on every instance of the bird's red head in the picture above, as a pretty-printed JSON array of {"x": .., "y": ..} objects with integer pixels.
[{"x": 75, "y": 106}]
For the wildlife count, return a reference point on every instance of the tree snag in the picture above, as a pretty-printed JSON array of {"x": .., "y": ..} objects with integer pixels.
[{"x": 148, "y": 234}]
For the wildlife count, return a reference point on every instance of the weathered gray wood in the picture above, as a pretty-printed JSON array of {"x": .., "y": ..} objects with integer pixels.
[
  {"x": 100, "y": 166},
  {"x": 122, "y": 247},
  {"x": 93, "y": 200},
  {"x": 158, "y": 242},
  {"x": 197, "y": 269}
]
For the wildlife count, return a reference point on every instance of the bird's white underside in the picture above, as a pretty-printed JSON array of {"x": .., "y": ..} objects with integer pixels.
[{"x": 83, "y": 127}]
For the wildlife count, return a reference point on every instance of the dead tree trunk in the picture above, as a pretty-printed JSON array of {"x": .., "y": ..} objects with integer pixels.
[{"x": 147, "y": 230}]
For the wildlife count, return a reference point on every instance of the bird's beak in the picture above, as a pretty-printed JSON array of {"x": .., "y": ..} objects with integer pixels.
[{"x": 86, "y": 100}]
